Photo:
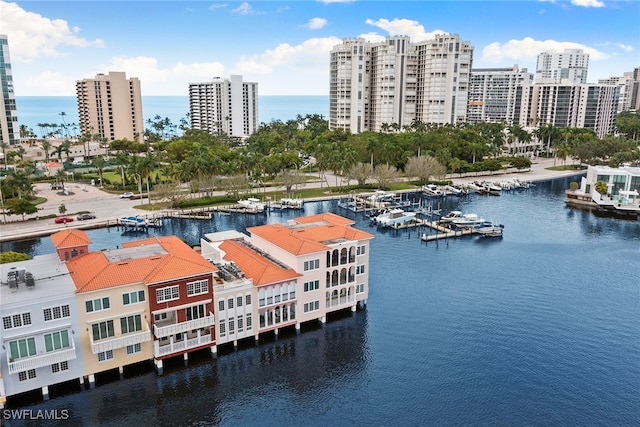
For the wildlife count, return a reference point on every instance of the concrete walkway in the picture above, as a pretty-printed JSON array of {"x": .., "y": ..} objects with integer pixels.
[{"x": 109, "y": 207}]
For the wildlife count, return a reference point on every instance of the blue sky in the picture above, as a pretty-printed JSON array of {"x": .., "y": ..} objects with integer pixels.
[{"x": 284, "y": 46}]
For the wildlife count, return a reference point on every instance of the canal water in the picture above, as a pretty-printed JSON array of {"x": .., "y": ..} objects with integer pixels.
[{"x": 540, "y": 327}]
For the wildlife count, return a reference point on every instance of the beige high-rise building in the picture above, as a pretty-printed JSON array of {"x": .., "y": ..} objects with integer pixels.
[
  {"x": 394, "y": 83},
  {"x": 111, "y": 106}
]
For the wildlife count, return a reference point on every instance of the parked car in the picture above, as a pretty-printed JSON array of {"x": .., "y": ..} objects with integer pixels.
[
  {"x": 63, "y": 219},
  {"x": 126, "y": 195},
  {"x": 84, "y": 216}
]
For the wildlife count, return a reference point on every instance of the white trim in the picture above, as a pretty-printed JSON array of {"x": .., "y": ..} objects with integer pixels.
[
  {"x": 37, "y": 332},
  {"x": 180, "y": 307},
  {"x": 117, "y": 316}
]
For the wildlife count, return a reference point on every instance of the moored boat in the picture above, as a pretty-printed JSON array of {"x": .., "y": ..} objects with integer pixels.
[
  {"x": 394, "y": 218},
  {"x": 252, "y": 204}
]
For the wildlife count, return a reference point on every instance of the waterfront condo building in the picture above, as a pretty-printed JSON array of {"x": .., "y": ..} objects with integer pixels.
[
  {"x": 388, "y": 85},
  {"x": 331, "y": 256},
  {"x": 40, "y": 333},
  {"x": 224, "y": 106},
  {"x": 495, "y": 94},
  {"x": 629, "y": 84},
  {"x": 255, "y": 293},
  {"x": 568, "y": 66},
  {"x": 9, "y": 128},
  {"x": 111, "y": 107}
]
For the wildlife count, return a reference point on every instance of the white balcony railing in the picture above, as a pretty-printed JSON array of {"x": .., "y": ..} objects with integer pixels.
[
  {"x": 182, "y": 327},
  {"x": 45, "y": 359},
  {"x": 181, "y": 346},
  {"x": 121, "y": 341}
]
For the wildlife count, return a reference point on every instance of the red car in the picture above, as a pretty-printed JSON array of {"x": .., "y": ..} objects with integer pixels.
[{"x": 63, "y": 219}]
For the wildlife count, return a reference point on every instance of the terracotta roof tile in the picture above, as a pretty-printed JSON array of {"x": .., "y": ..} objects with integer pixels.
[
  {"x": 69, "y": 238},
  {"x": 310, "y": 234},
  {"x": 99, "y": 270},
  {"x": 255, "y": 266}
]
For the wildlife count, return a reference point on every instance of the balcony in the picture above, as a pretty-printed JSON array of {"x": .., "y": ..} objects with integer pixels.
[
  {"x": 45, "y": 359},
  {"x": 162, "y": 329},
  {"x": 160, "y": 350},
  {"x": 121, "y": 341}
]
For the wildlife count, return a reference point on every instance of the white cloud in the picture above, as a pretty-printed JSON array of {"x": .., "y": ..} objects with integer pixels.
[
  {"x": 33, "y": 36},
  {"x": 216, "y": 6},
  {"x": 625, "y": 47},
  {"x": 49, "y": 83},
  {"x": 528, "y": 49},
  {"x": 587, "y": 3},
  {"x": 405, "y": 27},
  {"x": 244, "y": 9},
  {"x": 315, "y": 23}
]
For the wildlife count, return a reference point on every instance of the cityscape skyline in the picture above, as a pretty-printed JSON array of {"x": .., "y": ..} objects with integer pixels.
[{"x": 284, "y": 46}]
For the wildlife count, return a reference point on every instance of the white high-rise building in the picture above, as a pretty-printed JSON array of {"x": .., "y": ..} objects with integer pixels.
[
  {"x": 391, "y": 84},
  {"x": 111, "y": 106},
  {"x": 568, "y": 66},
  {"x": 592, "y": 106},
  {"x": 9, "y": 128},
  {"x": 224, "y": 106},
  {"x": 495, "y": 94}
]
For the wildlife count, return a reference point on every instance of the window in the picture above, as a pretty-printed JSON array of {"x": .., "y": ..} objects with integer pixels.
[
  {"x": 312, "y": 286},
  {"x": 240, "y": 323},
  {"x": 247, "y": 300},
  {"x": 56, "y": 341},
  {"x": 58, "y": 367},
  {"x": 197, "y": 288},
  {"x": 167, "y": 293},
  {"x": 97, "y": 304},
  {"x": 221, "y": 305},
  {"x": 16, "y": 320},
  {"x": 248, "y": 322},
  {"x": 222, "y": 328},
  {"x": 230, "y": 303},
  {"x": 239, "y": 302},
  {"x": 361, "y": 250},
  {"x": 133, "y": 297},
  {"x": 160, "y": 316},
  {"x": 130, "y": 324},
  {"x": 27, "y": 375},
  {"x": 195, "y": 312},
  {"x": 24, "y": 347},
  {"x": 105, "y": 355},
  {"x": 231, "y": 326},
  {"x": 360, "y": 288},
  {"x": 312, "y": 306},
  {"x": 58, "y": 312},
  {"x": 102, "y": 330},
  {"x": 313, "y": 264},
  {"x": 132, "y": 349},
  {"x": 360, "y": 269}
]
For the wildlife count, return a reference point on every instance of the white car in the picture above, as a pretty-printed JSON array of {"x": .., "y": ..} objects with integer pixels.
[{"x": 126, "y": 195}]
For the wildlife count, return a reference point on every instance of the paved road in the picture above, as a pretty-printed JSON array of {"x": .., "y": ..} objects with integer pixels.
[{"x": 109, "y": 207}]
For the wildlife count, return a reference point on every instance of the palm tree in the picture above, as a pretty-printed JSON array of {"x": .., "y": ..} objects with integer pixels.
[
  {"x": 62, "y": 176},
  {"x": 99, "y": 162},
  {"x": 46, "y": 146}
]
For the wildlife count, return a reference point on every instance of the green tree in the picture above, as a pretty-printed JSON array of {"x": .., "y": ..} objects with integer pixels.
[
  {"x": 11, "y": 256},
  {"x": 20, "y": 206},
  {"x": 62, "y": 209}
]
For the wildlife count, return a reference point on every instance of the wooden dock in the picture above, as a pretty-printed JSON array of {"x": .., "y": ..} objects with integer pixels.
[{"x": 444, "y": 232}]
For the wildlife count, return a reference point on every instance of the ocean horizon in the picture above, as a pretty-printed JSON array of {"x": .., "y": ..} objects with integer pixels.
[{"x": 34, "y": 110}]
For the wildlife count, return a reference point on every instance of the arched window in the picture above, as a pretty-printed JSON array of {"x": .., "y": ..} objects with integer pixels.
[
  {"x": 334, "y": 278},
  {"x": 343, "y": 276},
  {"x": 343, "y": 256},
  {"x": 328, "y": 258},
  {"x": 352, "y": 254},
  {"x": 335, "y": 256}
]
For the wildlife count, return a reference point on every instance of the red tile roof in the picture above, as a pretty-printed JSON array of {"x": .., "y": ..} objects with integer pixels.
[
  {"x": 255, "y": 266},
  {"x": 159, "y": 259},
  {"x": 310, "y": 234},
  {"x": 69, "y": 238}
]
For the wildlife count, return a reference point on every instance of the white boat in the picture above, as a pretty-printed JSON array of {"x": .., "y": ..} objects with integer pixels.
[
  {"x": 491, "y": 188},
  {"x": 432, "y": 190},
  {"x": 394, "y": 218},
  {"x": 467, "y": 221},
  {"x": 252, "y": 204},
  {"x": 291, "y": 203},
  {"x": 451, "y": 216},
  {"x": 489, "y": 229},
  {"x": 381, "y": 196},
  {"x": 138, "y": 222},
  {"x": 453, "y": 191}
]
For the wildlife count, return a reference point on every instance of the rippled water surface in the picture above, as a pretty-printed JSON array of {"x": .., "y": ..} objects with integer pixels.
[{"x": 541, "y": 327}]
